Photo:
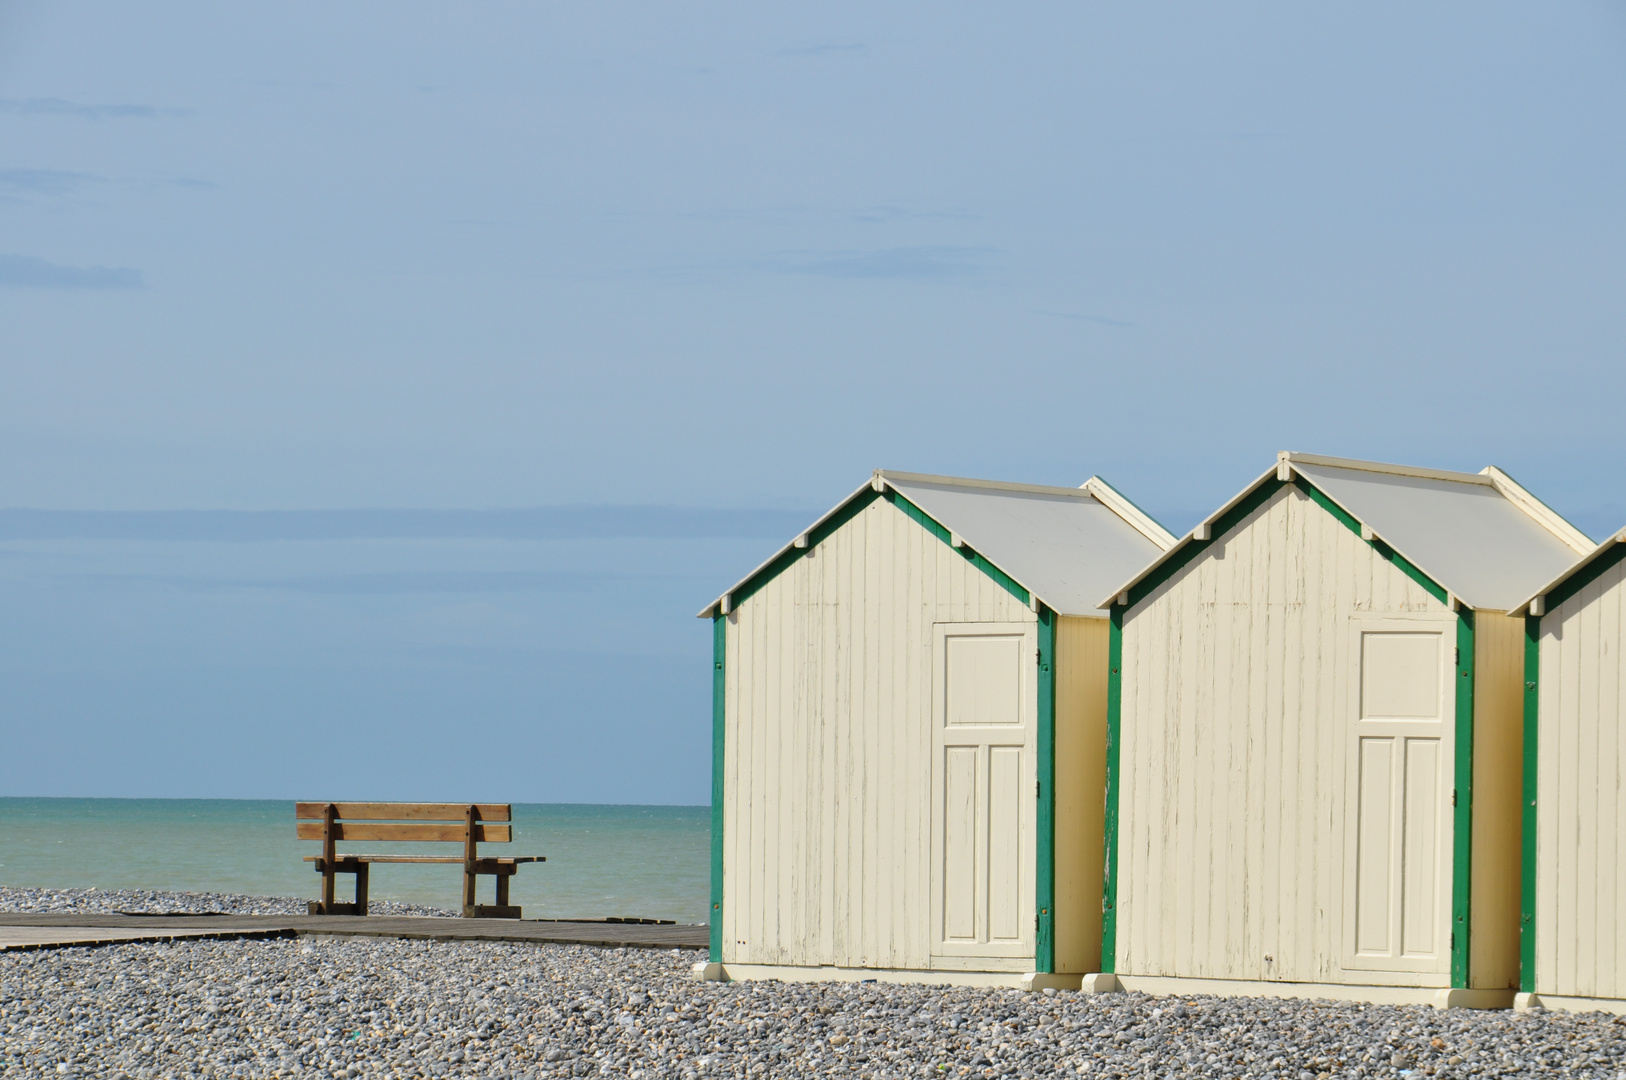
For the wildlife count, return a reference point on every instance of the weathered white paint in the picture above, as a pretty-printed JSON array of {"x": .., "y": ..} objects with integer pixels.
[
  {"x": 1581, "y": 809},
  {"x": 1239, "y": 724},
  {"x": 827, "y": 809}
]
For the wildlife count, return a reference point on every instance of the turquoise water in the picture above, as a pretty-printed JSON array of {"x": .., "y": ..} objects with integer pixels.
[{"x": 646, "y": 861}]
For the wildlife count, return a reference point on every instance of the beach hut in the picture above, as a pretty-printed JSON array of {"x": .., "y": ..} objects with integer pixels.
[
  {"x": 909, "y": 733},
  {"x": 1315, "y": 738},
  {"x": 1574, "y": 871}
]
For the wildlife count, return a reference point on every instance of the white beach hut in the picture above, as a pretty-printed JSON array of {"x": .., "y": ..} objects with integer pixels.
[
  {"x": 1315, "y": 739},
  {"x": 1574, "y": 872},
  {"x": 909, "y": 731}
]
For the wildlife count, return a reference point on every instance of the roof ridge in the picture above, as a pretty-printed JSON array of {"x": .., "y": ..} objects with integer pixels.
[
  {"x": 991, "y": 485},
  {"x": 1520, "y": 496},
  {"x": 1421, "y": 472},
  {"x": 1142, "y": 522}
]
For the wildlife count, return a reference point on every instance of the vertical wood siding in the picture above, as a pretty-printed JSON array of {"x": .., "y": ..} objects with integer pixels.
[
  {"x": 1233, "y": 759},
  {"x": 827, "y": 784},
  {"x": 1498, "y": 777},
  {"x": 1081, "y": 778},
  {"x": 1580, "y": 809}
]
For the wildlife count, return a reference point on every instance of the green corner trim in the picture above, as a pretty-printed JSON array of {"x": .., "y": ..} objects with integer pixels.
[
  {"x": 1044, "y": 892},
  {"x": 931, "y": 525},
  {"x": 1586, "y": 575},
  {"x": 1399, "y": 561},
  {"x": 815, "y": 536},
  {"x": 1527, "y": 848},
  {"x": 719, "y": 689},
  {"x": 1179, "y": 559},
  {"x": 1462, "y": 799},
  {"x": 1109, "y": 877},
  {"x": 857, "y": 505}
]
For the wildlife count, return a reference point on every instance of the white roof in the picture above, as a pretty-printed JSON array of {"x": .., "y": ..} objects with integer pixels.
[
  {"x": 1485, "y": 539},
  {"x": 1064, "y": 545}
]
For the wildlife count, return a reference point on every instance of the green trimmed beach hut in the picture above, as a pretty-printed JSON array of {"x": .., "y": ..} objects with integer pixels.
[
  {"x": 1574, "y": 917},
  {"x": 909, "y": 736},
  {"x": 1315, "y": 739}
]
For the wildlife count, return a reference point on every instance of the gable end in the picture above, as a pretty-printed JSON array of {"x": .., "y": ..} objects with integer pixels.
[
  {"x": 853, "y": 507},
  {"x": 1239, "y": 513}
]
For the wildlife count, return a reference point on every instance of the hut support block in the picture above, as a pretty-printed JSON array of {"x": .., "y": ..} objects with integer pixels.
[
  {"x": 1034, "y": 981},
  {"x": 1100, "y": 982},
  {"x": 705, "y": 972}
]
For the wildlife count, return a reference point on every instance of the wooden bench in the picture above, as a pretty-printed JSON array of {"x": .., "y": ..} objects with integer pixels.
[{"x": 468, "y": 824}]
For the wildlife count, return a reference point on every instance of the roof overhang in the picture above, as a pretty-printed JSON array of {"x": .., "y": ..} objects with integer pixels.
[{"x": 1536, "y": 603}]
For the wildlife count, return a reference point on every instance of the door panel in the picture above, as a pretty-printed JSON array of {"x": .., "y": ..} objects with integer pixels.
[
  {"x": 1373, "y": 857},
  {"x": 983, "y": 789},
  {"x": 984, "y": 679},
  {"x": 1005, "y": 861},
  {"x": 1397, "y": 890},
  {"x": 1421, "y": 857},
  {"x": 960, "y": 844}
]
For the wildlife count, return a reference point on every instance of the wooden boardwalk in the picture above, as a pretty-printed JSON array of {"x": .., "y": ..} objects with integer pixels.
[
  {"x": 22, "y": 938},
  {"x": 21, "y": 930}
]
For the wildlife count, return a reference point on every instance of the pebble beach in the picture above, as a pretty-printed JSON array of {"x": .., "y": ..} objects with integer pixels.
[{"x": 365, "y": 1007}]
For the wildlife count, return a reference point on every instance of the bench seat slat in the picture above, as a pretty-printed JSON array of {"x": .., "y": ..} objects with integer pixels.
[
  {"x": 422, "y": 832},
  {"x": 403, "y": 811}
]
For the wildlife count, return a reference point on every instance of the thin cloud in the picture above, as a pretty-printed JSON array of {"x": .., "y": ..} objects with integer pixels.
[
  {"x": 60, "y": 107},
  {"x": 535, "y": 523},
  {"x": 30, "y": 272},
  {"x": 925, "y": 262},
  {"x": 825, "y": 48},
  {"x": 1098, "y": 319},
  {"x": 889, "y": 215},
  {"x": 504, "y": 582},
  {"x": 44, "y": 181}
]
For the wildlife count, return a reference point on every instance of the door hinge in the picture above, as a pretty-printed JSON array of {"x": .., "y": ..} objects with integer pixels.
[
  {"x": 1453, "y": 939},
  {"x": 1453, "y": 796},
  {"x": 1035, "y": 925},
  {"x": 1038, "y": 789},
  {"x": 1038, "y": 658},
  {"x": 1456, "y": 656}
]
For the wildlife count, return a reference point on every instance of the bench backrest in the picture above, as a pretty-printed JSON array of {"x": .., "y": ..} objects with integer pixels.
[{"x": 453, "y": 823}]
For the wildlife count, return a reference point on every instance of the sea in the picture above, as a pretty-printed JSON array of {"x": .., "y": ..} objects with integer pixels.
[{"x": 650, "y": 862}]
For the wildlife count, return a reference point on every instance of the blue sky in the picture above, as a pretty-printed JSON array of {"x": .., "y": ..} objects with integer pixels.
[{"x": 415, "y": 265}]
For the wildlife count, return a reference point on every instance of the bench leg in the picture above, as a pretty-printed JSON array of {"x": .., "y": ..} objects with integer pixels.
[
  {"x": 501, "y": 909},
  {"x": 328, "y": 905}
]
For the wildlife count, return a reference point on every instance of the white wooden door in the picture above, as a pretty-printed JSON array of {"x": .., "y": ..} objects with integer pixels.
[
  {"x": 983, "y": 796},
  {"x": 1397, "y": 862}
]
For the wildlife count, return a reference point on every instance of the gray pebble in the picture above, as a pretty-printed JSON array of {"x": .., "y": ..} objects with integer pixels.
[{"x": 373, "y": 1007}]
